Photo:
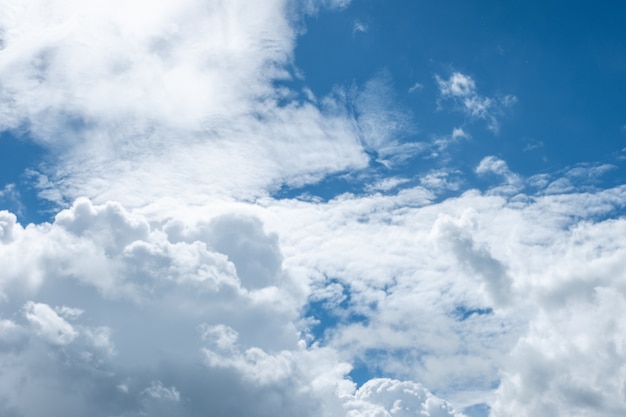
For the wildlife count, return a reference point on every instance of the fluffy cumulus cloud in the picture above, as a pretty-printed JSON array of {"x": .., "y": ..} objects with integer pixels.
[
  {"x": 385, "y": 397},
  {"x": 172, "y": 280},
  {"x": 438, "y": 293},
  {"x": 208, "y": 313},
  {"x": 127, "y": 318},
  {"x": 571, "y": 360}
]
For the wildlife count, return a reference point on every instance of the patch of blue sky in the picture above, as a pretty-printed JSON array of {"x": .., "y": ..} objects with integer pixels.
[
  {"x": 328, "y": 313},
  {"x": 362, "y": 372},
  {"x": 462, "y": 313},
  {"x": 18, "y": 192},
  {"x": 324, "y": 190},
  {"x": 366, "y": 366}
]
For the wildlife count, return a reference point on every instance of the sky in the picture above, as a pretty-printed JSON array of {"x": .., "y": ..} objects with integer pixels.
[{"x": 366, "y": 208}]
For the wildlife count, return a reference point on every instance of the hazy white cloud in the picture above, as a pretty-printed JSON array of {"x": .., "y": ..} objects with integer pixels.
[
  {"x": 8, "y": 191},
  {"x": 581, "y": 177},
  {"x": 166, "y": 304},
  {"x": 459, "y": 133},
  {"x": 415, "y": 87},
  {"x": 589, "y": 172},
  {"x": 126, "y": 93},
  {"x": 569, "y": 363},
  {"x": 441, "y": 180},
  {"x": 313, "y": 6},
  {"x": 457, "y": 234},
  {"x": 157, "y": 390},
  {"x": 461, "y": 89},
  {"x": 381, "y": 122},
  {"x": 508, "y": 100},
  {"x": 386, "y": 184},
  {"x": 48, "y": 324},
  {"x": 359, "y": 27},
  {"x": 494, "y": 165},
  {"x": 532, "y": 145},
  {"x": 384, "y": 127},
  {"x": 440, "y": 288},
  {"x": 442, "y": 143},
  {"x": 147, "y": 319},
  {"x": 458, "y": 85},
  {"x": 10, "y": 197}
]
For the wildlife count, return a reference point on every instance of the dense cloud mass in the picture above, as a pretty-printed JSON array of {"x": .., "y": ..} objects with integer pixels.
[
  {"x": 109, "y": 315},
  {"x": 103, "y": 307},
  {"x": 173, "y": 279}
]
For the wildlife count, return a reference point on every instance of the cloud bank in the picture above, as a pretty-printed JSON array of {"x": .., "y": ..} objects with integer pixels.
[{"x": 118, "y": 317}]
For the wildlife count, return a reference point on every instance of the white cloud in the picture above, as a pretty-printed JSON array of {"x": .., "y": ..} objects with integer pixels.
[
  {"x": 12, "y": 196},
  {"x": 359, "y": 27},
  {"x": 508, "y": 100},
  {"x": 100, "y": 338},
  {"x": 532, "y": 145},
  {"x": 494, "y": 165},
  {"x": 223, "y": 337},
  {"x": 386, "y": 397},
  {"x": 461, "y": 89},
  {"x": 440, "y": 288},
  {"x": 589, "y": 171},
  {"x": 559, "y": 186},
  {"x": 382, "y": 124},
  {"x": 459, "y": 133},
  {"x": 158, "y": 391},
  {"x": 68, "y": 313},
  {"x": 458, "y": 85},
  {"x": 416, "y": 87},
  {"x": 441, "y": 180},
  {"x": 125, "y": 93},
  {"x": 412, "y": 273},
  {"x": 570, "y": 362},
  {"x": 386, "y": 184},
  {"x": 457, "y": 235},
  {"x": 48, "y": 324},
  {"x": 135, "y": 315},
  {"x": 7, "y": 223},
  {"x": 442, "y": 143}
]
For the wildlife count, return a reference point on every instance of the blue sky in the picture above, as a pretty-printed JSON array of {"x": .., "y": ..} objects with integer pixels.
[
  {"x": 324, "y": 207},
  {"x": 564, "y": 64}
]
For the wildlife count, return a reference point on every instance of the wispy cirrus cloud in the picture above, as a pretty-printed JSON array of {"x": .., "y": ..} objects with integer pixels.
[
  {"x": 384, "y": 127},
  {"x": 359, "y": 27},
  {"x": 461, "y": 89},
  {"x": 416, "y": 87}
]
